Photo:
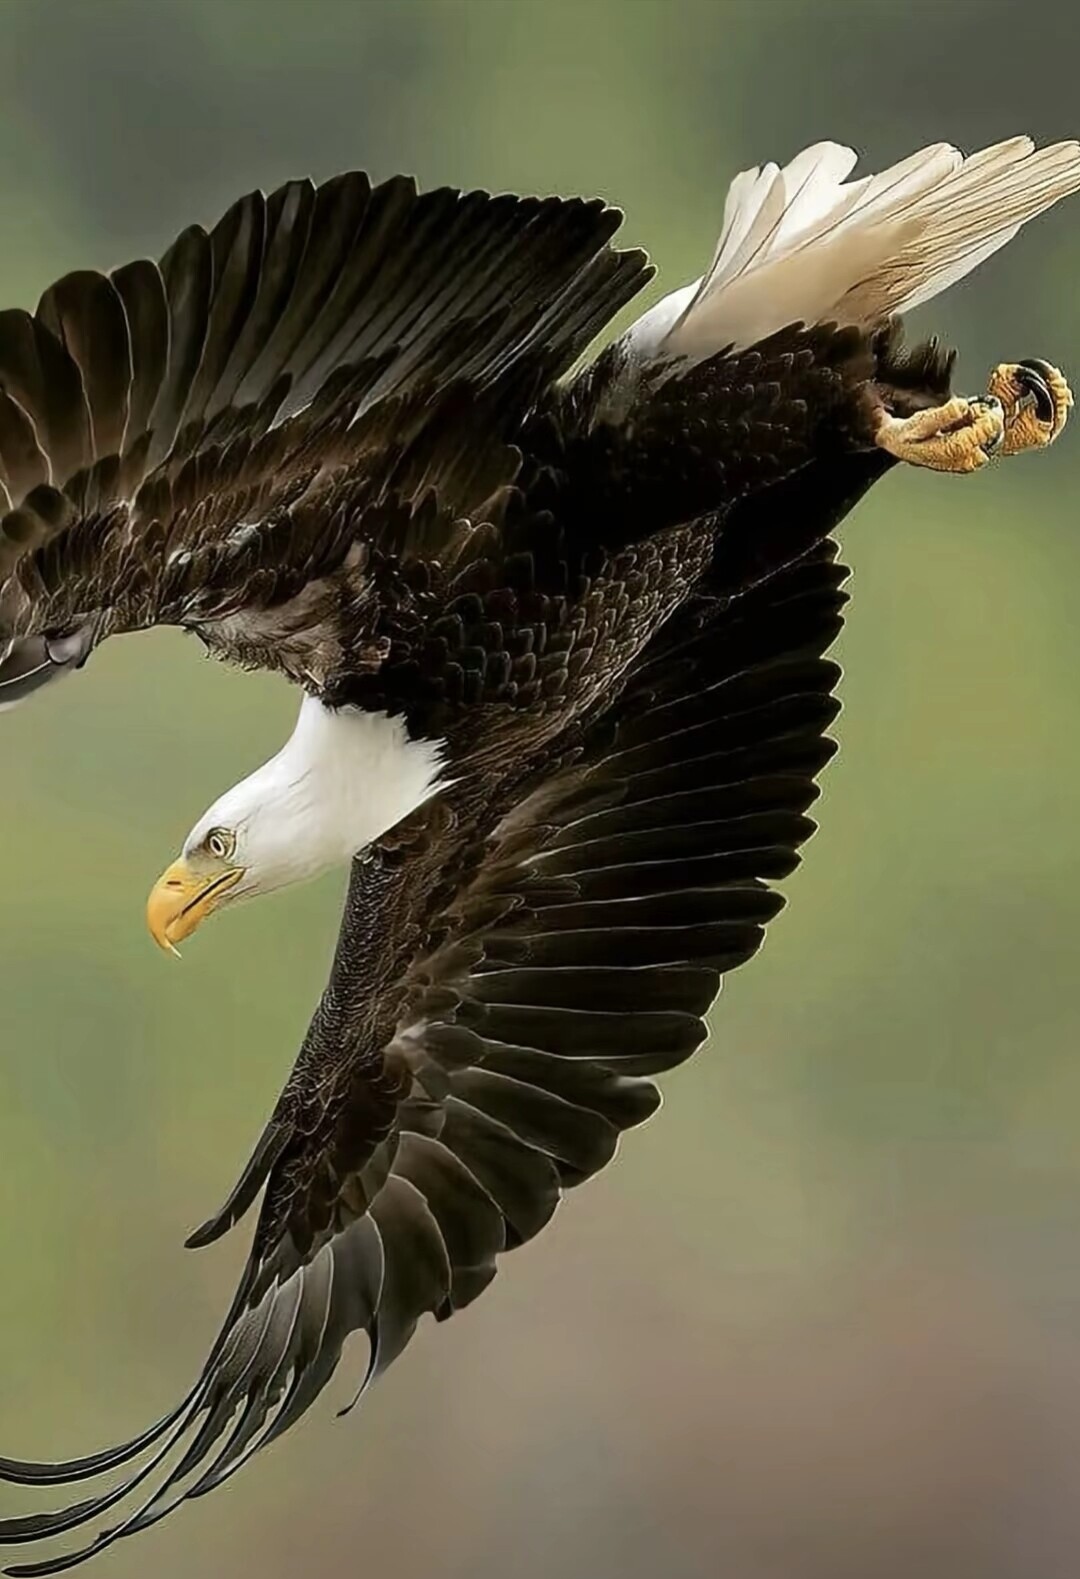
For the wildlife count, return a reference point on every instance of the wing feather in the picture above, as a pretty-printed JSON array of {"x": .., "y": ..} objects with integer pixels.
[
  {"x": 187, "y": 273},
  {"x": 85, "y": 313}
]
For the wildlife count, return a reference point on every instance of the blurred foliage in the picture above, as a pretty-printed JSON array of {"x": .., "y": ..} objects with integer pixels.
[{"x": 823, "y": 1317}]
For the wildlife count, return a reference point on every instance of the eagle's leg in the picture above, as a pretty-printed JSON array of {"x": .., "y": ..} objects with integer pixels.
[{"x": 1025, "y": 407}]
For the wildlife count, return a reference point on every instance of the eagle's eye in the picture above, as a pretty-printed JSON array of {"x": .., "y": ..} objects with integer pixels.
[{"x": 220, "y": 843}]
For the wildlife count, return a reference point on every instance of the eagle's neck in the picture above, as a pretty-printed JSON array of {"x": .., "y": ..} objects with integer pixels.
[{"x": 357, "y": 774}]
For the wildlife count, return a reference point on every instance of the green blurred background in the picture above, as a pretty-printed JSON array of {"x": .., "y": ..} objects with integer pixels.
[{"x": 823, "y": 1318}]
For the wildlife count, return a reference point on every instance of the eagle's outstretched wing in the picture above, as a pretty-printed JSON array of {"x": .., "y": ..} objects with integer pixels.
[
  {"x": 502, "y": 995},
  {"x": 161, "y": 426}
]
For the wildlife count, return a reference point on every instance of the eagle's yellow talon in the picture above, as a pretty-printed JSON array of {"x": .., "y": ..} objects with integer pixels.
[
  {"x": 1025, "y": 407},
  {"x": 1037, "y": 400}
]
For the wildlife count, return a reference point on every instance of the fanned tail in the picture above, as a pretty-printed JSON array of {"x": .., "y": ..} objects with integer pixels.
[{"x": 803, "y": 244}]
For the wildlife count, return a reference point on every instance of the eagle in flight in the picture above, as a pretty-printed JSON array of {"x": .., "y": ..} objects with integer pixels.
[{"x": 559, "y": 632}]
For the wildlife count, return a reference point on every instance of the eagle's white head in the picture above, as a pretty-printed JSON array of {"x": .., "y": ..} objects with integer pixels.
[{"x": 343, "y": 778}]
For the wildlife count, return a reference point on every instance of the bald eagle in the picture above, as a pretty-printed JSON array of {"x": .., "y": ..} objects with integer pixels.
[{"x": 560, "y": 637}]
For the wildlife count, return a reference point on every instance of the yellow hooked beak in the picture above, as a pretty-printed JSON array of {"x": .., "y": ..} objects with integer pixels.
[{"x": 182, "y": 898}]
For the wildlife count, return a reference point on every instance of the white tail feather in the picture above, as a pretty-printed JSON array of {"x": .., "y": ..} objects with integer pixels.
[{"x": 805, "y": 245}]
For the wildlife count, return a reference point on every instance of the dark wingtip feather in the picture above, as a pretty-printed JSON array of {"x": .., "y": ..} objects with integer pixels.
[
  {"x": 28, "y": 1472},
  {"x": 271, "y": 1144}
]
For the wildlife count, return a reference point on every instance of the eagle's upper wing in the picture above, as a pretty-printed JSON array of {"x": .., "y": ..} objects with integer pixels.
[
  {"x": 161, "y": 425},
  {"x": 500, "y": 1000}
]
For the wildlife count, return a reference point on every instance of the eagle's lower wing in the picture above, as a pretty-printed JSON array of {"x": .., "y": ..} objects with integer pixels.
[
  {"x": 550, "y": 967},
  {"x": 161, "y": 425}
]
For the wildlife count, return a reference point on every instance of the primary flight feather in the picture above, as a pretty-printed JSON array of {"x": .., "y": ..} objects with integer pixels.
[{"x": 561, "y": 642}]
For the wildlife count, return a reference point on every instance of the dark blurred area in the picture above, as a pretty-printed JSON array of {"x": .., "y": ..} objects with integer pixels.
[{"x": 822, "y": 1318}]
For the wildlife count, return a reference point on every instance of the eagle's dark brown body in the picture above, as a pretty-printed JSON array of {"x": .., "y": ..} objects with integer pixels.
[{"x": 330, "y": 439}]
